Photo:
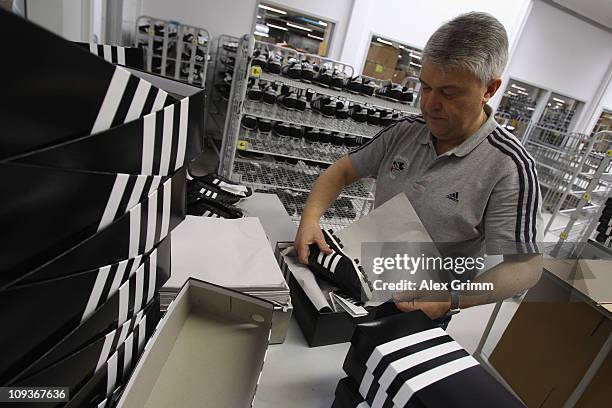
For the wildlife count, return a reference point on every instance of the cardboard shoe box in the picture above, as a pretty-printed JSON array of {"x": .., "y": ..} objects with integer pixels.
[{"x": 208, "y": 351}]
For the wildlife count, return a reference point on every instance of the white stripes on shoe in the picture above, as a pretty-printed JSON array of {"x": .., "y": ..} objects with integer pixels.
[{"x": 329, "y": 262}]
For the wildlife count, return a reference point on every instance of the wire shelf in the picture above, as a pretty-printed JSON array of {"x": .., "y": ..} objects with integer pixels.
[
  {"x": 298, "y": 177},
  {"x": 309, "y": 118},
  {"x": 375, "y": 101}
]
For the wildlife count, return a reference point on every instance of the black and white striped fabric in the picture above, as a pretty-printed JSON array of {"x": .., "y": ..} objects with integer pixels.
[
  {"x": 77, "y": 368},
  {"x": 158, "y": 144},
  {"x": 82, "y": 94},
  {"x": 94, "y": 329},
  {"x": 403, "y": 360},
  {"x": 113, "y": 237},
  {"x": 115, "y": 54},
  {"x": 68, "y": 302},
  {"x": 347, "y": 396}
]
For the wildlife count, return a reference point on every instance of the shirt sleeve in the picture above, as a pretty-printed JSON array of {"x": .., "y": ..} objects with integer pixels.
[
  {"x": 366, "y": 159},
  {"x": 513, "y": 218}
]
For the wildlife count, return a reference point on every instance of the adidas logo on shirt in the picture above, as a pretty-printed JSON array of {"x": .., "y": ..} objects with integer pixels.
[{"x": 454, "y": 197}]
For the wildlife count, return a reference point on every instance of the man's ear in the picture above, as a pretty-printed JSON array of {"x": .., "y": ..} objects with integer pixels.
[{"x": 491, "y": 89}]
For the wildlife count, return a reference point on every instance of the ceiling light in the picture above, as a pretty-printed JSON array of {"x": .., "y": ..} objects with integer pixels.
[
  {"x": 399, "y": 56},
  {"x": 272, "y": 9},
  {"x": 518, "y": 87},
  {"x": 511, "y": 93},
  {"x": 316, "y": 38},
  {"x": 277, "y": 26},
  {"x": 530, "y": 108},
  {"x": 323, "y": 23},
  {"x": 523, "y": 93},
  {"x": 415, "y": 56},
  {"x": 415, "y": 64},
  {"x": 558, "y": 100},
  {"x": 298, "y": 27},
  {"x": 384, "y": 41},
  {"x": 401, "y": 46},
  {"x": 260, "y": 34},
  {"x": 258, "y": 16}
]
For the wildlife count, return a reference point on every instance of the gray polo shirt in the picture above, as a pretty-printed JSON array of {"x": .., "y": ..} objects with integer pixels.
[{"x": 485, "y": 187}]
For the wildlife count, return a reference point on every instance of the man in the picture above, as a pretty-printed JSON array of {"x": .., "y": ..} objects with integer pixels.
[{"x": 467, "y": 178}]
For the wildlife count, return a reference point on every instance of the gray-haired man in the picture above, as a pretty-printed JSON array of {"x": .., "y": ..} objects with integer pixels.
[{"x": 466, "y": 177}]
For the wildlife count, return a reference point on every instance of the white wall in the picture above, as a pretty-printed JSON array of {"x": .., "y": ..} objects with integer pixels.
[
  {"x": 235, "y": 17},
  {"x": 63, "y": 17},
  {"x": 413, "y": 22},
  {"x": 563, "y": 53}
]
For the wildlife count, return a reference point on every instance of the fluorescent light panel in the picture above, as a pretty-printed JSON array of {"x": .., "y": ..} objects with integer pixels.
[
  {"x": 315, "y": 37},
  {"x": 322, "y": 23},
  {"x": 277, "y": 26},
  {"x": 272, "y": 9},
  {"x": 260, "y": 34},
  {"x": 415, "y": 56},
  {"x": 415, "y": 64},
  {"x": 384, "y": 41},
  {"x": 520, "y": 88},
  {"x": 299, "y": 27},
  {"x": 558, "y": 100}
]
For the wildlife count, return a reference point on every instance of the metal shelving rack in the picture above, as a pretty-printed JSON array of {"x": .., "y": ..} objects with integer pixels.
[
  {"x": 174, "y": 50},
  {"x": 582, "y": 191},
  {"x": 223, "y": 60},
  {"x": 288, "y": 166}
]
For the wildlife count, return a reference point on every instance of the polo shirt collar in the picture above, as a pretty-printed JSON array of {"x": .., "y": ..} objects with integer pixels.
[{"x": 470, "y": 143}]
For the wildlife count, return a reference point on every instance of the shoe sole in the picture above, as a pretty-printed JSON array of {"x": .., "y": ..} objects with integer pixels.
[{"x": 364, "y": 286}]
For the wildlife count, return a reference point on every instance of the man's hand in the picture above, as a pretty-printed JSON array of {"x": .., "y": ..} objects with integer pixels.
[
  {"x": 433, "y": 305},
  {"x": 308, "y": 233}
]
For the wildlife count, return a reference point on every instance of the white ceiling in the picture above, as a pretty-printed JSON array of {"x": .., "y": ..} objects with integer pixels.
[{"x": 596, "y": 10}]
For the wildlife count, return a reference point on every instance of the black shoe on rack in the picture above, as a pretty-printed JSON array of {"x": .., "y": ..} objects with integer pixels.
[
  {"x": 274, "y": 64},
  {"x": 296, "y": 131},
  {"x": 269, "y": 95},
  {"x": 324, "y": 136},
  {"x": 307, "y": 71},
  {"x": 264, "y": 125},
  {"x": 407, "y": 95},
  {"x": 196, "y": 190},
  {"x": 368, "y": 87},
  {"x": 225, "y": 184},
  {"x": 338, "y": 80},
  {"x": 337, "y": 139},
  {"x": 312, "y": 135},
  {"x": 324, "y": 105},
  {"x": 324, "y": 76},
  {"x": 354, "y": 85},
  {"x": 390, "y": 91},
  {"x": 386, "y": 117},
  {"x": 293, "y": 69},
  {"x": 282, "y": 129},
  {"x": 350, "y": 141},
  {"x": 310, "y": 94},
  {"x": 373, "y": 117},
  {"x": 358, "y": 113},
  {"x": 342, "y": 110},
  {"x": 254, "y": 93},
  {"x": 288, "y": 101},
  {"x": 301, "y": 103},
  {"x": 260, "y": 60},
  {"x": 339, "y": 269},
  {"x": 249, "y": 122}
]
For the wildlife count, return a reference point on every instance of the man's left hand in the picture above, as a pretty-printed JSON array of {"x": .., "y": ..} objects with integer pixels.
[{"x": 434, "y": 307}]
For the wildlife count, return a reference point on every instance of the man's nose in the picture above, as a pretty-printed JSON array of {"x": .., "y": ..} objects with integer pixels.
[{"x": 432, "y": 102}]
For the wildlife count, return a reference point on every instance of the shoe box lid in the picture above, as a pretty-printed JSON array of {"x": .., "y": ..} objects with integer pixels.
[{"x": 208, "y": 350}]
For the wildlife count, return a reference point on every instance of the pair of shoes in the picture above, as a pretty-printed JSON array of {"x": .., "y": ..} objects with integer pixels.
[
  {"x": 225, "y": 184},
  {"x": 325, "y": 105},
  {"x": 339, "y": 269},
  {"x": 361, "y": 85},
  {"x": 396, "y": 92},
  {"x": 300, "y": 70},
  {"x": 289, "y": 99},
  {"x": 197, "y": 190}
]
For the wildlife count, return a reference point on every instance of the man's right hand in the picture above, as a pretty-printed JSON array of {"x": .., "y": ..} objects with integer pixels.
[{"x": 309, "y": 233}]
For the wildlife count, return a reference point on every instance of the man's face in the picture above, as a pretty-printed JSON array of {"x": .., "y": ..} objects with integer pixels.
[{"x": 451, "y": 101}]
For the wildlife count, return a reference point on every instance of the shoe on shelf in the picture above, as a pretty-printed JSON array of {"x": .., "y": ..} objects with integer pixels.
[
  {"x": 269, "y": 95},
  {"x": 274, "y": 64},
  {"x": 312, "y": 135},
  {"x": 261, "y": 60},
  {"x": 196, "y": 190},
  {"x": 224, "y": 184},
  {"x": 350, "y": 141},
  {"x": 386, "y": 117},
  {"x": 264, "y": 125},
  {"x": 358, "y": 113},
  {"x": 307, "y": 71},
  {"x": 338, "y": 80},
  {"x": 407, "y": 95},
  {"x": 390, "y": 91},
  {"x": 249, "y": 122},
  {"x": 293, "y": 69},
  {"x": 354, "y": 85},
  {"x": 324, "y": 136},
  {"x": 373, "y": 117},
  {"x": 324, "y": 76},
  {"x": 324, "y": 104},
  {"x": 254, "y": 93},
  {"x": 296, "y": 131},
  {"x": 288, "y": 101},
  {"x": 301, "y": 103},
  {"x": 310, "y": 94},
  {"x": 342, "y": 110},
  {"x": 231, "y": 46},
  {"x": 282, "y": 129},
  {"x": 368, "y": 87},
  {"x": 339, "y": 269},
  {"x": 337, "y": 139}
]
